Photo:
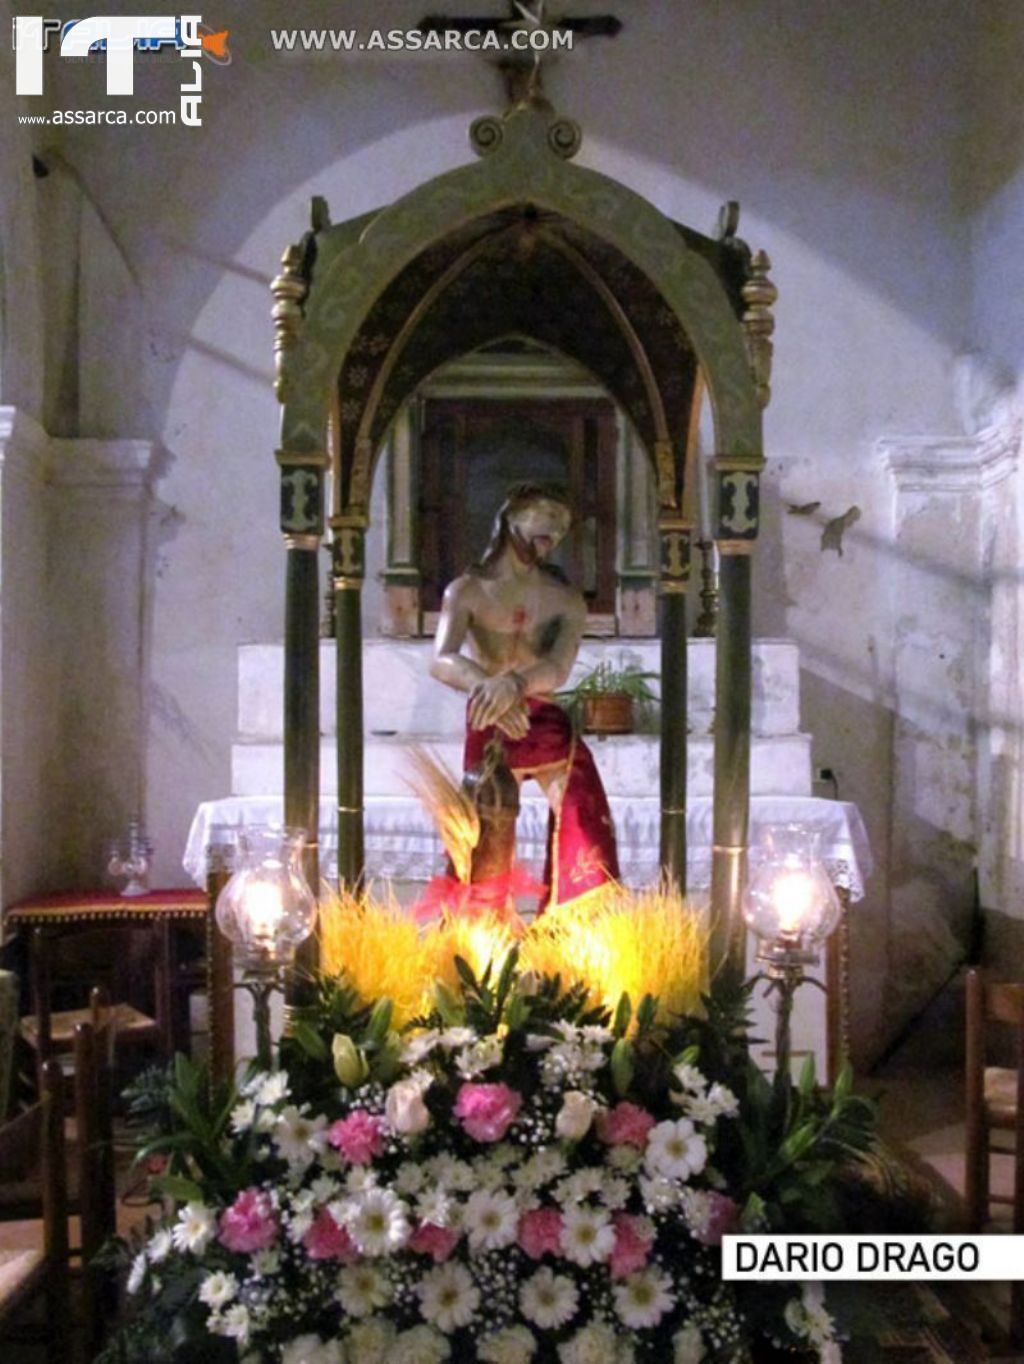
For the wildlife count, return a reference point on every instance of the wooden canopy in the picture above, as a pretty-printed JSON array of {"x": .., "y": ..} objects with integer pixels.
[{"x": 524, "y": 242}]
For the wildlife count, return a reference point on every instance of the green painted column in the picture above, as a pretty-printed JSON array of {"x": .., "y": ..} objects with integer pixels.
[
  {"x": 675, "y": 574},
  {"x": 349, "y": 568},
  {"x": 736, "y": 530},
  {"x": 302, "y": 525}
]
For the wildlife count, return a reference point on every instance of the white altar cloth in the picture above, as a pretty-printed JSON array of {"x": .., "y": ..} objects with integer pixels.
[{"x": 402, "y": 844}]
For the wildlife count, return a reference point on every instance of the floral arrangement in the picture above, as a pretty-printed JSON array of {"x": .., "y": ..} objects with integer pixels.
[{"x": 517, "y": 1172}]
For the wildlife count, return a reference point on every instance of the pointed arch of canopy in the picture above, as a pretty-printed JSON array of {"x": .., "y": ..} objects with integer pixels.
[{"x": 521, "y": 240}]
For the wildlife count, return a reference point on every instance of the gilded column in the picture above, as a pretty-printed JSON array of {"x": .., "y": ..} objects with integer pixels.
[
  {"x": 676, "y": 536},
  {"x": 736, "y": 529},
  {"x": 302, "y": 527},
  {"x": 349, "y": 567}
]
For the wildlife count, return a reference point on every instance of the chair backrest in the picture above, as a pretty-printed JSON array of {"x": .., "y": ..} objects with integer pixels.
[
  {"x": 38, "y": 1133},
  {"x": 93, "y": 1052}
]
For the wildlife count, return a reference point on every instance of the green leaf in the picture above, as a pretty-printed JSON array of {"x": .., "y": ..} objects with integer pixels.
[
  {"x": 466, "y": 974},
  {"x": 448, "y": 1006},
  {"x": 623, "y": 1067},
  {"x": 843, "y": 1085},
  {"x": 623, "y": 1015},
  {"x": 799, "y": 1142},
  {"x": 806, "y": 1085},
  {"x": 689, "y": 1056},
  {"x": 308, "y": 1039},
  {"x": 380, "y": 1021},
  {"x": 179, "y": 1188},
  {"x": 646, "y": 1013}
]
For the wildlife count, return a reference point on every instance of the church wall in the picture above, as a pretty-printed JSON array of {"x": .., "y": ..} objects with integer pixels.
[
  {"x": 842, "y": 139},
  {"x": 993, "y": 400}
]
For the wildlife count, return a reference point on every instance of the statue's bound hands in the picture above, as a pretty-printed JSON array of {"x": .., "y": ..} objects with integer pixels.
[{"x": 499, "y": 701}]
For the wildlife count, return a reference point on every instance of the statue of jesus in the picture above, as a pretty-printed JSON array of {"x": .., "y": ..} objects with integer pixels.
[{"x": 521, "y": 622}]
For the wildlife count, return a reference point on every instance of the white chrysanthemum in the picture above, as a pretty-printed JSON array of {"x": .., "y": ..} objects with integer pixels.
[
  {"x": 492, "y": 1219},
  {"x": 362, "y": 1289},
  {"x": 596, "y": 1036},
  {"x": 243, "y": 1116},
  {"x": 614, "y": 1192},
  {"x": 310, "y": 1349},
  {"x": 371, "y": 1341},
  {"x": 409, "y": 1179},
  {"x": 724, "y": 1100},
  {"x": 418, "y": 1047},
  {"x": 808, "y": 1317},
  {"x": 451, "y": 1173},
  {"x": 688, "y": 1346},
  {"x": 595, "y": 1344},
  {"x": 324, "y": 1188},
  {"x": 272, "y": 1089},
  {"x": 421, "y": 1345},
  {"x": 689, "y": 1078},
  {"x": 457, "y": 1037},
  {"x": 235, "y": 1323},
  {"x": 642, "y": 1299},
  {"x": 376, "y": 1220},
  {"x": 298, "y": 1137},
  {"x": 265, "y": 1264},
  {"x": 659, "y": 1194},
  {"x": 625, "y": 1158},
  {"x": 360, "y": 1178},
  {"x": 543, "y": 1166},
  {"x": 479, "y": 1056},
  {"x": 434, "y": 1206},
  {"x": 675, "y": 1150},
  {"x": 218, "y": 1289},
  {"x": 194, "y": 1229},
  {"x": 137, "y": 1273},
  {"x": 548, "y": 1300},
  {"x": 513, "y": 1345},
  {"x": 160, "y": 1246},
  {"x": 449, "y": 1296},
  {"x": 580, "y": 1185},
  {"x": 588, "y": 1236}
]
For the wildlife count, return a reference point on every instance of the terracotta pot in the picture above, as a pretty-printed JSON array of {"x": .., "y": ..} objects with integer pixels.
[{"x": 608, "y": 714}]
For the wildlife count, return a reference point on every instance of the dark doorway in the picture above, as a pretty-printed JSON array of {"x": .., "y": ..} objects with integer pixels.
[{"x": 473, "y": 449}]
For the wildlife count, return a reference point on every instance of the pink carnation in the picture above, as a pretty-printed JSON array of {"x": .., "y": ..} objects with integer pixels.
[
  {"x": 487, "y": 1111},
  {"x": 540, "y": 1232},
  {"x": 249, "y": 1224},
  {"x": 632, "y": 1248},
  {"x": 625, "y": 1125},
  {"x": 358, "y": 1137},
  {"x": 436, "y": 1241},
  {"x": 723, "y": 1216},
  {"x": 325, "y": 1240}
]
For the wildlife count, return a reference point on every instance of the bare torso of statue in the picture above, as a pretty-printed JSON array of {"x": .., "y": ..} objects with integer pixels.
[{"x": 520, "y": 623}]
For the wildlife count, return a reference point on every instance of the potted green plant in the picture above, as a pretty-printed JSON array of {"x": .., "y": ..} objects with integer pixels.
[{"x": 609, "y": 699}]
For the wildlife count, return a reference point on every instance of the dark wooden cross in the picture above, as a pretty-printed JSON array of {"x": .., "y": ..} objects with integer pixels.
[{"x": 521, "y": 68}]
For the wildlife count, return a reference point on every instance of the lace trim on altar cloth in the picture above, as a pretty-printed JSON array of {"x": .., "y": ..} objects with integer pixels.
[{"x": 401, "y": 844}]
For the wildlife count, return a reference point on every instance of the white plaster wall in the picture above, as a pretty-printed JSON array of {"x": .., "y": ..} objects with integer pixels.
[
  {"x": 840, "y": 128},
  {"x": 27, "y": 680},
  {"x": 994, "y": 399}
]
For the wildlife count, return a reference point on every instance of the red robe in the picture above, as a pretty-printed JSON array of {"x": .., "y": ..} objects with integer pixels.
[{"x": 581, "y": 852}]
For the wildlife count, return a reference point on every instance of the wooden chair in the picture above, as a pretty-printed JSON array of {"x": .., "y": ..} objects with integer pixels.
[
  {"x": 91, "y": 1193},
  {"x": 26, "y": 1273},
  {"x": 51, "y": 1032},
  {"x": 995, "y": 1104}
]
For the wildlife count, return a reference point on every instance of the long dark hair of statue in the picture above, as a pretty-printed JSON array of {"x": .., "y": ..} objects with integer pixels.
[{"x": 518, "y": 496}]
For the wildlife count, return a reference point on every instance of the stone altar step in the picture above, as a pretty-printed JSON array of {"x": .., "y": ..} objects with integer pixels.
[
  {"x": 400, "y": 696},
  {"x": 780, "y": 765}
]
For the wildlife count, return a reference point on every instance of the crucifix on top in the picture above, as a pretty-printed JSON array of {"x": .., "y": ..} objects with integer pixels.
[{"x": 521, "y": 67}]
